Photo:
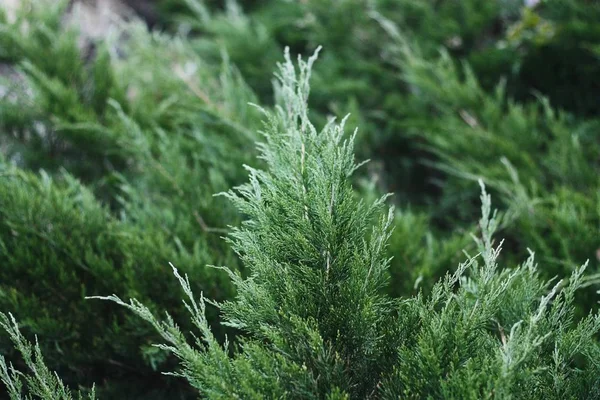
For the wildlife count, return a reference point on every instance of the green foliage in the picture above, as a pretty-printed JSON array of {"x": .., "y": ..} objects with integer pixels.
[
  {"x": 132, "y": 150},
  {"x": 503, "y": 332},
  {"x": 41, "y": 383},
  {"x": 549, "y": 49},
  {"x": 111, "y": 149},
  {"x": 57, "y": 229},
  {"x": 312, "y": 291},
  {"x": 419, "y": 111},
  {"x": 541, "y": 162},
  {"x": 315, "y": 322}
]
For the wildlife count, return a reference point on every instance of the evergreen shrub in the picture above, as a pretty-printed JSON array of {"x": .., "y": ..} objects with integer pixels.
[
  {"x": 112, "y": 147},
  {"x": 315, "y": 322}
]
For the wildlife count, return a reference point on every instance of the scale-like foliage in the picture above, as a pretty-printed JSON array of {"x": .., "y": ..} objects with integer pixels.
[
  {"x": 542, "y": 162},
  {"x": 120, "y": 134},
  {"x": 148, "y": 126},
  {"x": 417, "y": 111},
  {"x": 40, "y": 382},
  {"x": 314, "y": 320},
  {"x": 313, "y": 292}
]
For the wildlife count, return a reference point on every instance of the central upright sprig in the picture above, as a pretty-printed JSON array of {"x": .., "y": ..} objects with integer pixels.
[{"x": 313, "y": 254}]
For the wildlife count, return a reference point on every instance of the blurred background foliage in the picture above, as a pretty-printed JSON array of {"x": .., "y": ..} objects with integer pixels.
[{"x": 120, "y": 120}]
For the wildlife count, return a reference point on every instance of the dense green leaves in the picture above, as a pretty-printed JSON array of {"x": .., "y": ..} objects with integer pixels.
[
  {"x": 315, "y": 322},
  {"x": 120, "y": 140},
  {"x": 113, "y": 146}
]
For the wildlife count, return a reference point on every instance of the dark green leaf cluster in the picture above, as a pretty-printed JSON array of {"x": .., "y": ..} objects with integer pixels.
[
  {"x": 540, "y": 161},
  {"x": 120, "y": 135},
  {"x": 58, "y": 245}
]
